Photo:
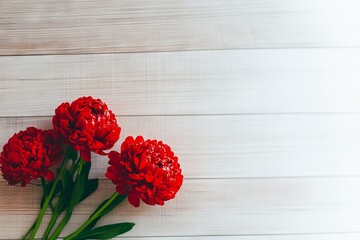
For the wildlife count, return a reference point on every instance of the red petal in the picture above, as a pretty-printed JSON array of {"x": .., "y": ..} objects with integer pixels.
[
  {"x": 110, "y": 175},
  {"x": 122, "y": 189},
  {"x": 134, "y": 198},
  {"x": 114, "y": 156},
  {"x": 85, "y": 155},
  {"x": 144, "y": 161},
  {"x": 136, "y": 161},
  {"x": 139, "y": 139},
  {"x": 49, "y": 175},
  {"x": 149, "y": 178}
]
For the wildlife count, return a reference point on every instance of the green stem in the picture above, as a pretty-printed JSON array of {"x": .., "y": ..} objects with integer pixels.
[
  {"x": 45, "y": 193},
  {"x": 68, "y": 214},
  {"x": 60, "y": 205},
  {"x": 81, "y": 166},
  {"x": 75, "y": 166},
  {"x": 52, "y": 222},
  {"x": 61, "y": 225},
  {"x": 54, "y": 218},
  {"x": 48, "y": 198},
  {"x": 29, "y": 231},
  {"x": 93, "y": 217}
]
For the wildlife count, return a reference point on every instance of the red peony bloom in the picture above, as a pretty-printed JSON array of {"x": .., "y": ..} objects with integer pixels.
[
  {"x": 88, "y": 125},
  {"x": 146, "y": 170},
  {"x": 28, "y": 155}
]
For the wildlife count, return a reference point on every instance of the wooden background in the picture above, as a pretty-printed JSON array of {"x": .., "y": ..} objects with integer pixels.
[{"x": 259, "y": 99}]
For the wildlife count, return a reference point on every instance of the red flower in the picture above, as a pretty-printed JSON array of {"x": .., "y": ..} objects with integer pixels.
[
  {"x": 88, "y": 125},
  {"x": 28, "y": 155},
  {"x": 146, "y": 170}
]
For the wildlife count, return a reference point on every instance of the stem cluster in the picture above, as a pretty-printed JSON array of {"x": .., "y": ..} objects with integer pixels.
[{"x": 70, "y": 186}]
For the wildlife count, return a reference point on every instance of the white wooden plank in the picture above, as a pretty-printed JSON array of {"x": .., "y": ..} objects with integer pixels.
[
  {"x": 210, "y": 82},
  {"x": 240, "y": 146},
  {"x": 215, "y": 207},
  {"x": 88, "y": 26},
  {"x": 346, "y": 236}
]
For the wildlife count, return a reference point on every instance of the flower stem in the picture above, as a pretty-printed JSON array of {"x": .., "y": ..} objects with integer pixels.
[
  {"x": 61, "y": 225},
  {"x": 52, "y": 222},
  {"x": 48, "y": 197},
  {"x": 69, "y": 211},
  {"x": 93, "y": 217},
  {"x": 54, "y": 218},
  {"x": 29, "y": 231},
  {"x": 75, "y": 166}
]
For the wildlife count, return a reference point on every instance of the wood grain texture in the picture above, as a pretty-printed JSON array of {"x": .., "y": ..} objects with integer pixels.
[
  {"x": 90, "y": 26},
  {"x": 215, "y": 207},
  {"x": 240, "y": 146},
  {"x": 343, "y": 236},
  {"x": 210, "y": 82},
  {"x": 258, "y": 98}
]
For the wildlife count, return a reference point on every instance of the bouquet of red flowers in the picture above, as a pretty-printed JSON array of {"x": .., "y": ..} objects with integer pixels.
[{"x": 144, "y": 170}]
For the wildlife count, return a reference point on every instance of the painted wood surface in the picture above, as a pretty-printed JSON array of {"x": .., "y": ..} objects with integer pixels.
[
  {"x": 349, "y": 236},
  {"x": 274, "y": 237},
  {"x": 208, "y": 82},
  {"x": 279, "y": 145},
  {"x": 90, "y": 26},
  {"x": 217, "y": 207},
  {"x": 259, "y": 98}
]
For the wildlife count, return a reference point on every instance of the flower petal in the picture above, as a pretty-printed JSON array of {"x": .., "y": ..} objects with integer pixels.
[
  {"x": 85, "y": 155},
  {"x": 134, "y": 198}
]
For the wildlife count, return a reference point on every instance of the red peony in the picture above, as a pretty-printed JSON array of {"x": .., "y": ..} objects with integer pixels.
[
  {"x": 28, "y": 155},
  {"x": 146, "y": 170},
  {"x": 88, "y": 125}
]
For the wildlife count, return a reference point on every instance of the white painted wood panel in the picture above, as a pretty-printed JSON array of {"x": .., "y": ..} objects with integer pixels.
[
  {"x": 240, "y": 146},
  {"x": 344, "y": 236},
  {"x": 210, "y": 82},
  {"x": 90, "y": 26},
  {"x": 268, "y": 136},
  {"x": 215, "y": 207},
  {"x": 269, "y": 237}
]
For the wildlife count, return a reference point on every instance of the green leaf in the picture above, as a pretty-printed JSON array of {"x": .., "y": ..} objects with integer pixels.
[
  {"x": 107, "y": 231},
  {"x": 46, "y": 189},
  {"x": 78, "y": 190},
  {"x": 73, "y": 155},
  {"x": 67, "y": 186},
  {"x": 61, "y": 206},
  {"x": 45, "y": 186},
  {"x": 86, "y": 169},
  {"x": 57, "y": 191},
  {"x": 80, "y": 183},
  {"x": 90, "y": 187}
]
